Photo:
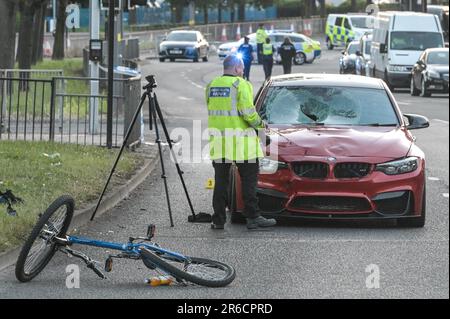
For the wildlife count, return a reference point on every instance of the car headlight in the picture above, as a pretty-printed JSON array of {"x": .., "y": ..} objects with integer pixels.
[
  {"x": 402, "y": 166},
  {"x": 433, "y": 74},
  {"x": 398, "y": 68},
  {"x": 162, "y": 48},
  {"x": 269, "y": 166}
]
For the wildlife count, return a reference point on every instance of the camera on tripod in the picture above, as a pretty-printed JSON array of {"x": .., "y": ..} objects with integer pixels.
[
  {"x": 151, "y": 82},
  {"x": 156, "y": 114}
]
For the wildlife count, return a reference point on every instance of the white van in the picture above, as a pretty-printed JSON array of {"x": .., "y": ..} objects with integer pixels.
[{"x": 399, "y": 38}]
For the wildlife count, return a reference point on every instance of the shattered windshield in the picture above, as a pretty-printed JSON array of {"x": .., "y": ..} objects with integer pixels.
[{"x": 328, "y": 106}]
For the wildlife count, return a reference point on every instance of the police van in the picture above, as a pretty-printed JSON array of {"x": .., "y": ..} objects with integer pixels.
[
  {"x": 342, "y": 29},
  {"x": 398, "y": 41}
]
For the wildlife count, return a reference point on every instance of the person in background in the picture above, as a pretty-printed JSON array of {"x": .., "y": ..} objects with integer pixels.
[
  {"x": 246, "y": 51},
  {"x": 261, "y": 36},
  {"x": 268, "y": 51},
  {"x": 287, "y": 52}
]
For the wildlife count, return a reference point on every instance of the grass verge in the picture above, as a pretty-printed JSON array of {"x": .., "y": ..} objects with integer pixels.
[{"x": 34, "y": 173}]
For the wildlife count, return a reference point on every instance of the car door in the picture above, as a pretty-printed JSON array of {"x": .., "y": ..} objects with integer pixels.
[
  {"x": 347, "y": 28},
  {"x": 337, "y": 31}
]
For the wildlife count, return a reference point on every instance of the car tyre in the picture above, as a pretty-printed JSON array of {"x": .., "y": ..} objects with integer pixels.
[
  {"x": 416, "y": 222},
  {"x": 424, "y": 91},
  {"x": 172, "y": 60},
  {"x": 413, "y": 90},
  {"x": 162, "y": 60},
  {"x": 300, "y": 58}
]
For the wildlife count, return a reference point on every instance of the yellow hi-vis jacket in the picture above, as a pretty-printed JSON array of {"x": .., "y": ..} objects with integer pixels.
[
  {"x": 232, "y": 120},
  {"x": 261, "y": 36}
]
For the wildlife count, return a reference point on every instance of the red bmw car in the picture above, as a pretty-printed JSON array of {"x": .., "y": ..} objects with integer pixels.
[{"x": 340, "y": 149}]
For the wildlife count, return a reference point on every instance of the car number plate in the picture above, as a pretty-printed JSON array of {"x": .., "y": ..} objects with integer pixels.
[{"x": 176, "y": 51}]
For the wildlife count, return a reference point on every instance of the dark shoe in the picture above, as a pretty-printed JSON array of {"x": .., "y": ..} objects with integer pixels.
[
  {"x": 217, "y": 226},
  {"x": 254, "y": 223}
]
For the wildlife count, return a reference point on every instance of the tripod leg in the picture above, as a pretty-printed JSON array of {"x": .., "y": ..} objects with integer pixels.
[
  {"x": 127, "y": 136},
  {"x": 169, "y": 141},
  {"x": 158, "y": 141}
]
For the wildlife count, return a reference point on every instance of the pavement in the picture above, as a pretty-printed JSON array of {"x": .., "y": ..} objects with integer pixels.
[{"x": 293, "y": 260}]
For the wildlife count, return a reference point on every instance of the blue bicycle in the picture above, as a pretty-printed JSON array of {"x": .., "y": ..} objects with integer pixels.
[{"x": 49, "y": 236}]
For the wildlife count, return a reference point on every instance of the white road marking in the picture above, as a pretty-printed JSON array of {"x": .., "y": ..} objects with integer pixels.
[
  {"x": 403, "y": 103},
  {"x": 440, "y": 121},
  {"x": 445, "y": 195},
  {"x": 196, "y": 85},
  {"x": 433, "y": 179},
  {"x": 185, "y": 98}
]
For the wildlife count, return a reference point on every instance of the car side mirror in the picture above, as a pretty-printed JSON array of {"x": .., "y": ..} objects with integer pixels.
[
  {"x": 343, "y": 52},
  {"x": 358, "y": 53},
  {"x": 416, "y": 122},
  {"x": 383, "y": 48}
]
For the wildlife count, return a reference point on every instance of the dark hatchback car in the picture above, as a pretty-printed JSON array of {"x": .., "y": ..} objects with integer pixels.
[
  {"x": 186, "y": 45},
  {"x": 340, "y": 149},
  {"x": 430, "y": 73}
]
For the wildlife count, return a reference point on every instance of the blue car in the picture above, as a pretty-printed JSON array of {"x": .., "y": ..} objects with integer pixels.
[{"x": 186, "y": 45}]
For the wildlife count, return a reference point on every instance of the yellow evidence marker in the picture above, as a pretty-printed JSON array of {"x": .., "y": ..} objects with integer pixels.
[{"x": 210, "y": 183}]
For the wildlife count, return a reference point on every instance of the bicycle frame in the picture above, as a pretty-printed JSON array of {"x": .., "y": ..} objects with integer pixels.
[{"x": 130, "y": 248}]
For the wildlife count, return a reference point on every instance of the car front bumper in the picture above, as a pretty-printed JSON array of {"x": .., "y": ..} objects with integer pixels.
[
  {"x": 399, "y": 79},
  {"x": 437, "y": 85},
  {"x": 375, "y": 196},
  {"x": 183, "y": 53}
]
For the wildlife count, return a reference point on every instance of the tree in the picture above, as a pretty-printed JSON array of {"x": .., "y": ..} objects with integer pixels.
[
  {"x": 353, "y": 6},
  {"x": 25, "y": 46},
  {"x": 323, "y": 8},
  {"x": 176, "y": 7},
  {"x": 8, "y": 10},
  {"x": 38, "y": 32},
  {"x": 58, "y": 45}
]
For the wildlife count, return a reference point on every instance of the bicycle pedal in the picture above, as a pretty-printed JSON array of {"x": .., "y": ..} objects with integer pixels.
[{"x": 108, "y": 264}]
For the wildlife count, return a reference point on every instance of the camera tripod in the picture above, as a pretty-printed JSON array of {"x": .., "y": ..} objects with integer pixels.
[{"x": 155, "y": 114}]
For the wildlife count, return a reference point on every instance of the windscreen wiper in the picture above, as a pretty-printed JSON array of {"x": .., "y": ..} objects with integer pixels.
[
  {"x": 310, "y": 124},
  {"x": 379, "y": 125}
]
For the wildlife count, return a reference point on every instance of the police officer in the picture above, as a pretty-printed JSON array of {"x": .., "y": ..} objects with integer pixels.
[
  {"x": 232, "y": 120},
  {"x": 261, "y": 36},
  {"x": 246, "y": 50},
  {"x": 287, "y": 52},
  {"x": 268, "y": 51}
]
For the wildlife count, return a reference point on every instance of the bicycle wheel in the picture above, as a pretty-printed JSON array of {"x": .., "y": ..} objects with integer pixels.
[
  {"x": 200, "y": 271},
  {"x": 39, "y": 248}
]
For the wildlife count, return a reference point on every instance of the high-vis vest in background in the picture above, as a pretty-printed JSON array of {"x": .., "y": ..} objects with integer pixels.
[
  {"x": 232, "y": 120},
  {"x": 267, "y": 49},
  {"x": 261, "y": 36}
]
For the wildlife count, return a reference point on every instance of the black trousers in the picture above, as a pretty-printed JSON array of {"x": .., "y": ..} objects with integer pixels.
[
  {"x": 259, "y": 51},
  {"x": 268, "y": 66},
  {"x": 287, "y": 66},
  {"x": 249, "y": 179}
]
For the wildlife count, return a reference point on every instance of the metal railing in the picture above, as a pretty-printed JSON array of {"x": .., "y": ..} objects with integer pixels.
[{"x": 62, "y": 109}]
